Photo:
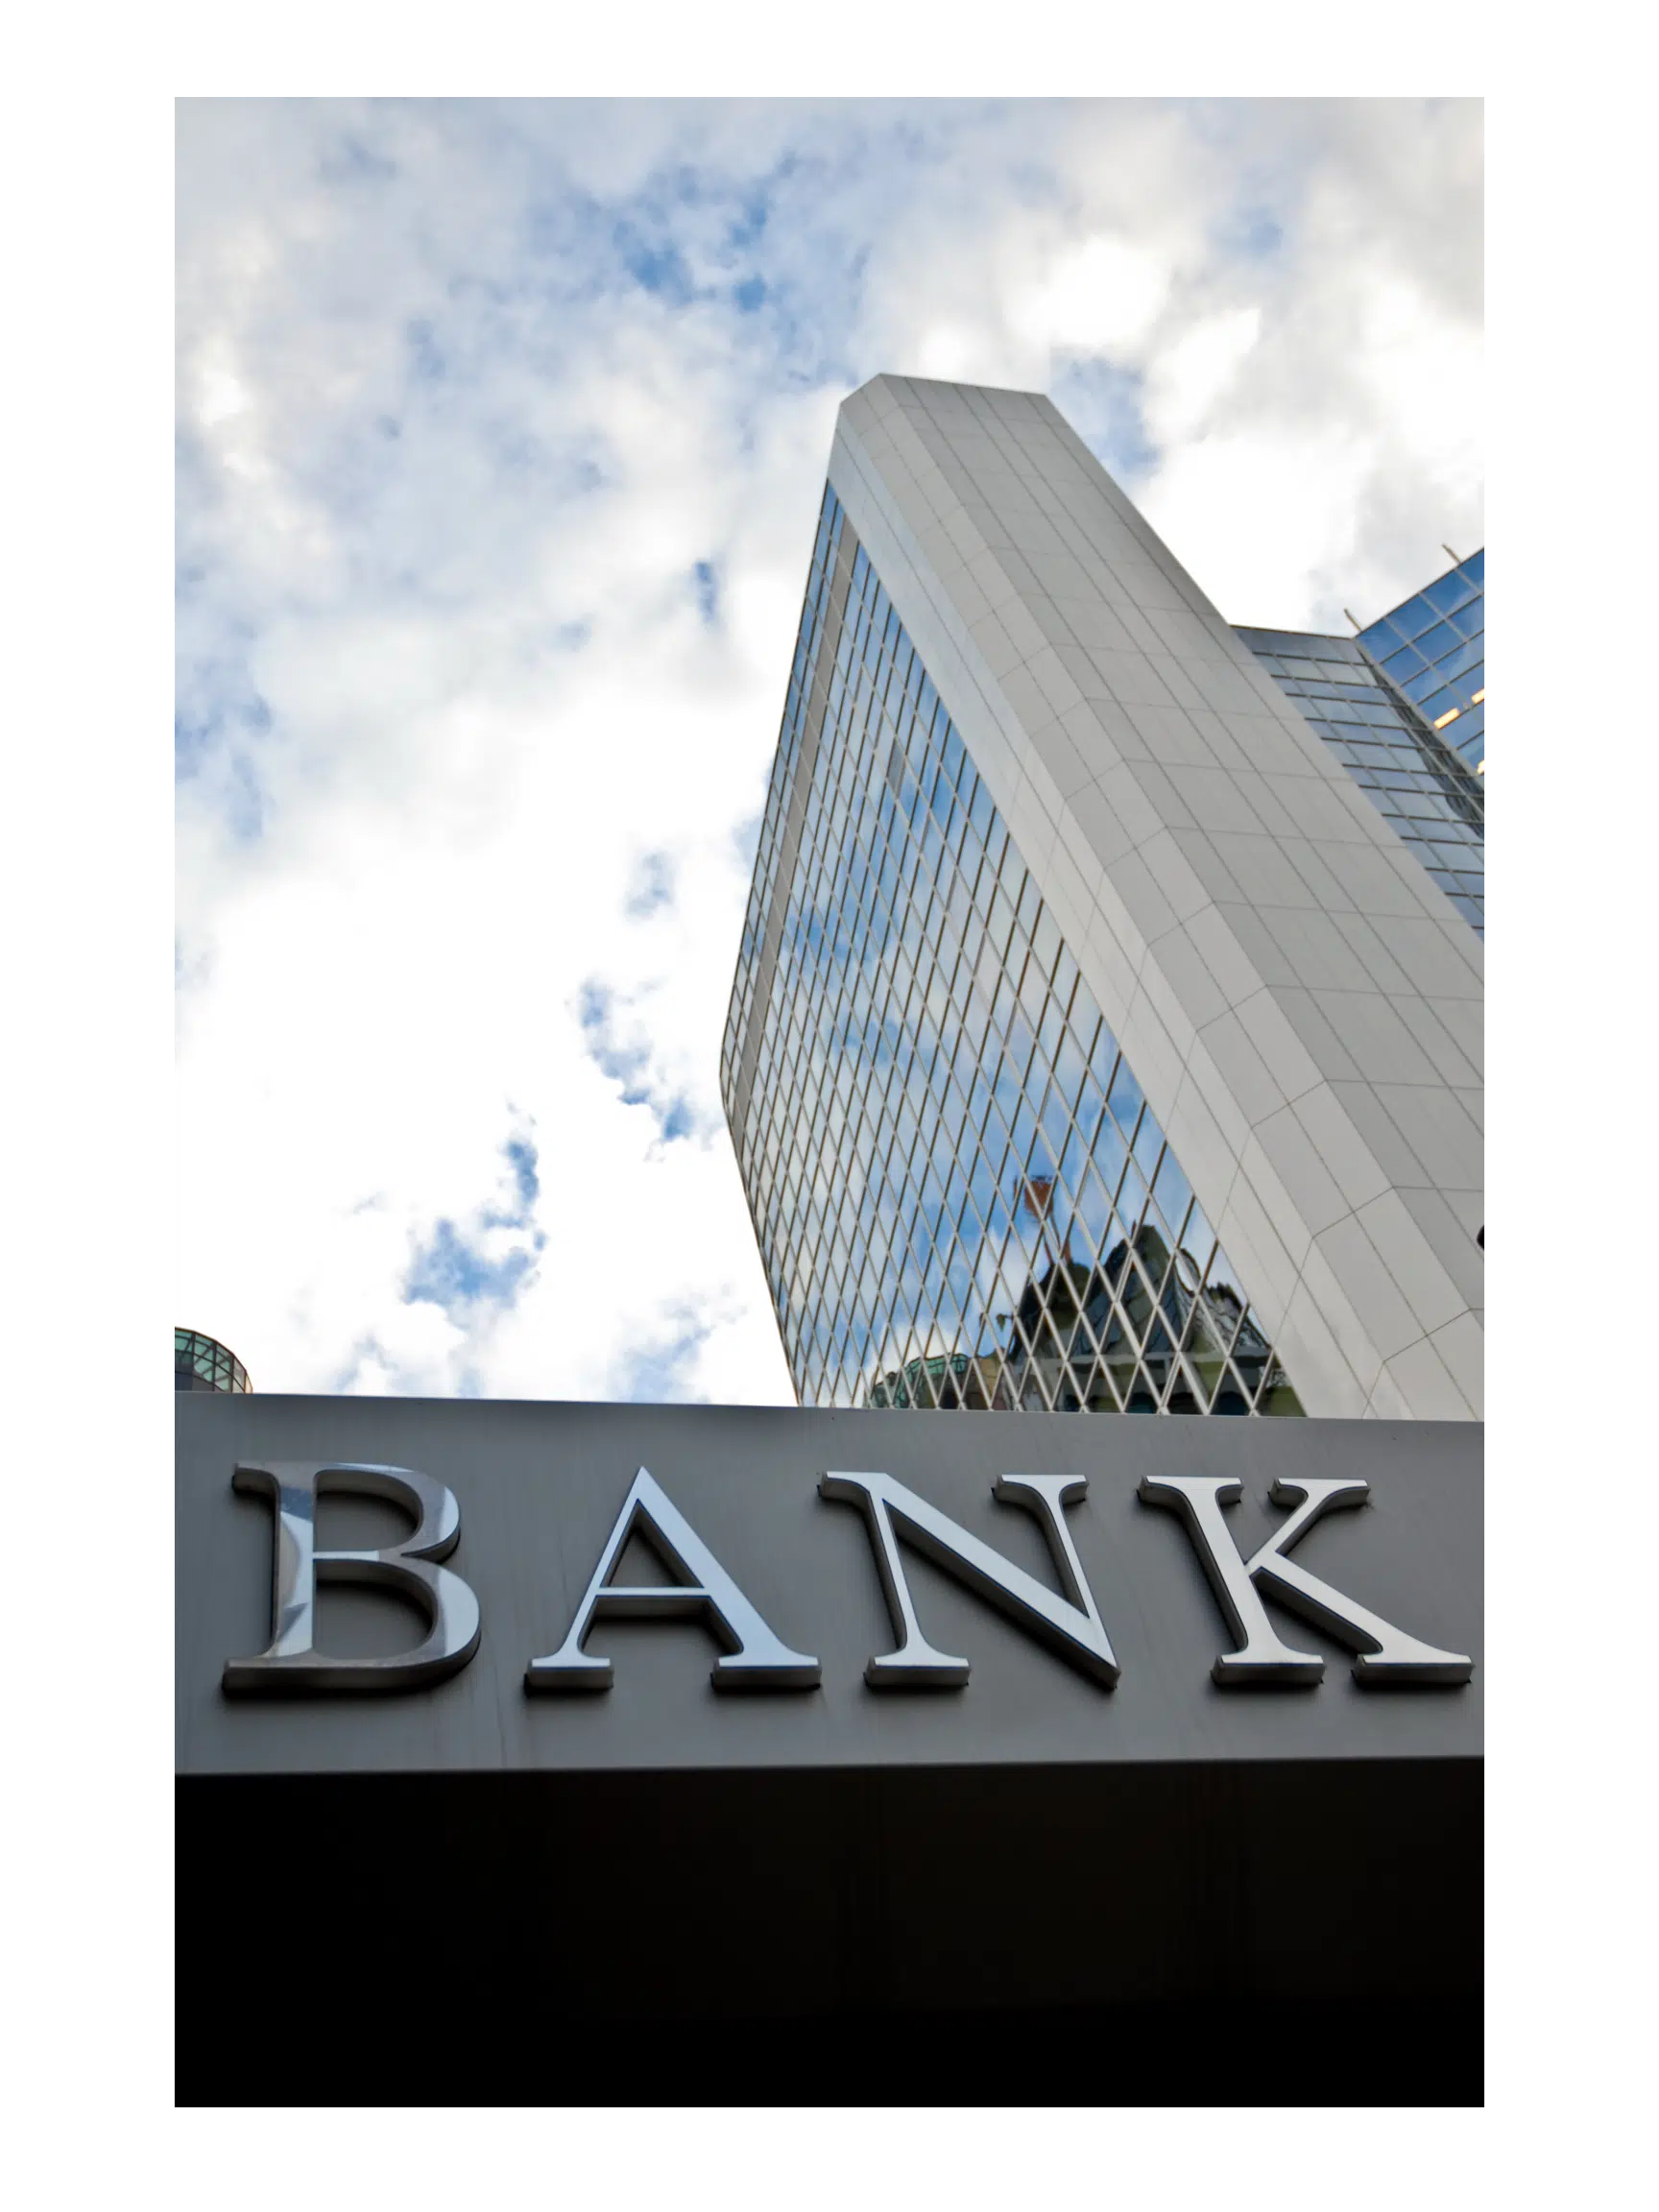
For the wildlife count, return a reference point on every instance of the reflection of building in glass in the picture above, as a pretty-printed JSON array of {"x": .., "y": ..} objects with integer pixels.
[
  {"x": 202, "y": 1363},
  {"x": 1422, "y": 788},
  {"x": 944, "y": 1383},
  {"x": 1093, "y": 1044},
  {"x": 1169, "y": 1341},
  {"x": 1432, "y": 647}
]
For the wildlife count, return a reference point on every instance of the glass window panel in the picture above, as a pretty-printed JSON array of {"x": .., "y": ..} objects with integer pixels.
[
  {"x": 1109, "y": 1153},
  {"x": 1064, "y": 980},
  {"x": 1072, "y": 1158},
  {"x": 1050, "y": 1033},
  {"x": 1447, "y": 593},
  {"x": 1415, "y": 617},
  {"x": 1417, "y": 687},
  {"x": 1084, "y": 1014},
  {"x": 1125, "y": 1096},
  {"x": 1002, "y": 924},
  {"x": 1068, "y": 1071},
  {"x": 1103, "y": 1057},
  {"x": 1055, "y": 1122},
  {"x": 1172, "y": 1191},
  {"x": 1024, "y": 1131}
]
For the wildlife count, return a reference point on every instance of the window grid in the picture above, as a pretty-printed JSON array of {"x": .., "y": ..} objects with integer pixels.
[
  {"x": 1424, "y": 789},
  {"x": 202, "y": 1363},
  {"x": 807, "y": 645},
  {"x": 1432, "y": 647},
  {"x": 960, "y": 1196}
]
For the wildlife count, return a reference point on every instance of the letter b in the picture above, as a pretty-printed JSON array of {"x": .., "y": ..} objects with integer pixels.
[{"x": 290, "y": 1662}]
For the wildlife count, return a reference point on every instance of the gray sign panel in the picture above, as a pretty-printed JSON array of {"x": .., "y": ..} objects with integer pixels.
[{"x": 540, "y": 1489}]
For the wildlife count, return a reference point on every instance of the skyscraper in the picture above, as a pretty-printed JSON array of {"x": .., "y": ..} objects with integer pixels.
[{"x": 1098, "y": 1042}]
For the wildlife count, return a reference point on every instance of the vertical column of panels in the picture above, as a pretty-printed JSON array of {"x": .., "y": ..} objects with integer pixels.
[
  {"x": 960, "y": 1196},
  {"x": 808, "y": 643}
]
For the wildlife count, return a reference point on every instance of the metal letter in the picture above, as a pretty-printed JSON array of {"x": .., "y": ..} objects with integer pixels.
[
  {"x": 1385, "y": 1653},
  {"x": 755, "y": 1658},
  {"x": 290, "y": 1663},
  {"x": 1073, "y": 1628}
]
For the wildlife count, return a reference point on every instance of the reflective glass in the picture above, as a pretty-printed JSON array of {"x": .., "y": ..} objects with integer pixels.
[
  {"x": 953, "y": 1127},
  {"x": 202, "y": 1363},
  {"x": 1447, "y": 622}
]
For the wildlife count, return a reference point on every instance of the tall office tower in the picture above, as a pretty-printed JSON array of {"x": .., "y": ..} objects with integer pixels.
[
  {"x": 1432, "y": 647},
  {"x": 1096, "y": 1043},
  {"x": 1427, "y": 792},
  {"x": 202, "y": 1363}
]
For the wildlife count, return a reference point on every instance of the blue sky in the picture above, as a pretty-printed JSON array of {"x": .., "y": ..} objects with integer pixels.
[{"x": 501, "y": 433}]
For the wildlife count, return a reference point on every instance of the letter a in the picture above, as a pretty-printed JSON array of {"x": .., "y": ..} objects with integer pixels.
[{"x": 755, "y": 1659}]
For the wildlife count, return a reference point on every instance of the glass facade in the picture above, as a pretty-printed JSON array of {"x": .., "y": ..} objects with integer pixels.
[
  {"x": 813, "y": 615},
  {"x": 1418, "y": 784},
  {"x": 201, "y": 1363},
  {"x": 1432, "y": 647},
  {"x": 960, "y": 1195}
]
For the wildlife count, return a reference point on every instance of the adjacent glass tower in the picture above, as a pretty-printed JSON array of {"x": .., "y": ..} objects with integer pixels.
[
  {"x": 1427, "y": 792},
  {"x": 961, "y": 1195},
  {"x": 1432, "y": 647},
  {"x": 1053, "y": 894},
  {"x": 202, "y": 1363}
]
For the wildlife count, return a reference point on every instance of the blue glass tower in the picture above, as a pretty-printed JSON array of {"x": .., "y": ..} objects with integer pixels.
[
  {"x": 1432, "y": 647},
  {"x": 1426, "y": 792}
]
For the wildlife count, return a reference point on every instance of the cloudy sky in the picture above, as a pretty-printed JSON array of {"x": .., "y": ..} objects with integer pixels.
[{"x": 501, "y": 435}]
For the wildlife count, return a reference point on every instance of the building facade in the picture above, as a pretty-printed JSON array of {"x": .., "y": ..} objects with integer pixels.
[
  {"x": 1098, "y": 1042},
  {"x": 1425, "y": 790},
  {"x": 1432, "y": 647}
]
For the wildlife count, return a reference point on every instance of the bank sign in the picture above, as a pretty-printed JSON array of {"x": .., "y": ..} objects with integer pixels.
[{"x": 386, "y": 1583}]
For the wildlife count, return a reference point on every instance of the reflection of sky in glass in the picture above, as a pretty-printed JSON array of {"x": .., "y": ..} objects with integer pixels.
[
  {"x": 1420, "y": 786},
  {"x": 959, "y": 1193},
  {"x": 1433, "y": 648},
  {"x": 807, "y": 646}
]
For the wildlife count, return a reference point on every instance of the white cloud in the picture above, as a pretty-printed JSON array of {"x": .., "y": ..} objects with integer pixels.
[
  {"x": 1102, "y": 295},
  {"x": 1197, "y": 370},
  {"x": 447, "y": 468}
]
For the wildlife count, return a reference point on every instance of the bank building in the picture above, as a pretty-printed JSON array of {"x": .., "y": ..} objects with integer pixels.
[
  {"x": 1106, "y": 1032},
  {"x": 1105, "y": 1038}
]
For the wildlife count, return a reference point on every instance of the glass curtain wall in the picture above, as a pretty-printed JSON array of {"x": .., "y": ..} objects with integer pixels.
[
  {"x": 808, "y": 643},
  {"x": 960, "y": 1194},
  {"x": 1432, "y": 647},
  {"x": 1421, "y": 787},
  {"x": 202, "y": 1363}
]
